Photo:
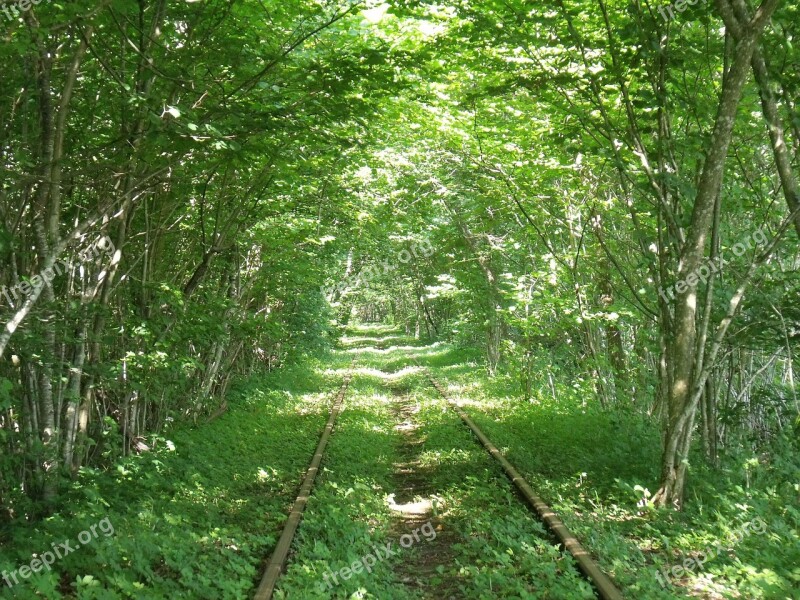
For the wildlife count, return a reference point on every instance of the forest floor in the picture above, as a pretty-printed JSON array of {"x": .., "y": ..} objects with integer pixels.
[{"x": 407, "y": 503}]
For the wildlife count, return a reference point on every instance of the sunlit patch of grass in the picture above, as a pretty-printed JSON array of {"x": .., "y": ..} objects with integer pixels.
[
  {"x": 348, "y": 514},
  {"x": 503, "y": 550}
]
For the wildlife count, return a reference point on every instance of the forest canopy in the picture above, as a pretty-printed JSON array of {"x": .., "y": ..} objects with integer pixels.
[{"x": 597, "y": 193}]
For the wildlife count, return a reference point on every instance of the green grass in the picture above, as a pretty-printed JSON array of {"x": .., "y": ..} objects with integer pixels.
[
  {"x": 504, "y": 551},
  {"x": 198, "y": 516},
  {"x": 194, "y": 522},
  {"x": 496, "y": 547},
  {"x": 347, "y": 514},
  {"x": 594, "y": 467}
]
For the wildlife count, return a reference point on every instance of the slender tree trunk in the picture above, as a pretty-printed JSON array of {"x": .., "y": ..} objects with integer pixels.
[
  {"x": 769, "y": 107},
  {"x": 682, "y": 352},
  {"x": 74, "y": 398},
  {"x": 709, "y": 406}
]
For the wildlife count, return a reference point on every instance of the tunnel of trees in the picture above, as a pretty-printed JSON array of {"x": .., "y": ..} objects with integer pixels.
[{"x": 600, "y": 193}]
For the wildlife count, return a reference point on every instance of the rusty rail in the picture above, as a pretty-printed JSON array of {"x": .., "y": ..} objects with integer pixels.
[
  {"x": 278, "y": 558},
  {"x": 602, "y": 582}
]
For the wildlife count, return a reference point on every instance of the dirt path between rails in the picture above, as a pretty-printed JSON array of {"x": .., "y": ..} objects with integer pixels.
[{"x": 413, "y": 505}]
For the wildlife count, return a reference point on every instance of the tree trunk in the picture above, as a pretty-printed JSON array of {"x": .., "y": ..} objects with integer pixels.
[
  {"x": 682, "y": 352},
  {"x": 769, "y": 107}
]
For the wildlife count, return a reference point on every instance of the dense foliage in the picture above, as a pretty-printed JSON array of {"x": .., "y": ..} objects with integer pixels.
[{"x": 596, "y": 195}]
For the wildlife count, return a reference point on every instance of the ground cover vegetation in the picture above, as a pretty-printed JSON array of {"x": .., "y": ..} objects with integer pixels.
[{"x": 583, "y": 217}]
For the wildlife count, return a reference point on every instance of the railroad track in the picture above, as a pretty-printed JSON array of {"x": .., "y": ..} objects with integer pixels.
[
  {"x": 281, "y": 552},
  {"x": 603, "y": 585}
]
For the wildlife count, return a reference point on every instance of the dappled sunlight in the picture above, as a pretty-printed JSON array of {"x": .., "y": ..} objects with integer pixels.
[
  {"x": 418, "y": 508},
  {"x": 409, "y": 349},
  {"x": 389, "y": 339},
  {"x": 579, "y": 483},
  {"x": 377, "y": 373},
  {"x": 366, "y": 400},
  {"x": 377, "y": 328},
  {"x": 305, "y": 404},
  {"x": 472, "y": 395},
  {"x": 457, "y": 394},
  {"x": 451, "y": 457},
  {"x": 464, "y": 401},
  {"x": 337, "y": 250}
]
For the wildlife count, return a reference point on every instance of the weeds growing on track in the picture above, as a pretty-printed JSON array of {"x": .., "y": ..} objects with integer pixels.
[
  {"x": 489, "y": 545},
  {"x": 198, "y": 516}
]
